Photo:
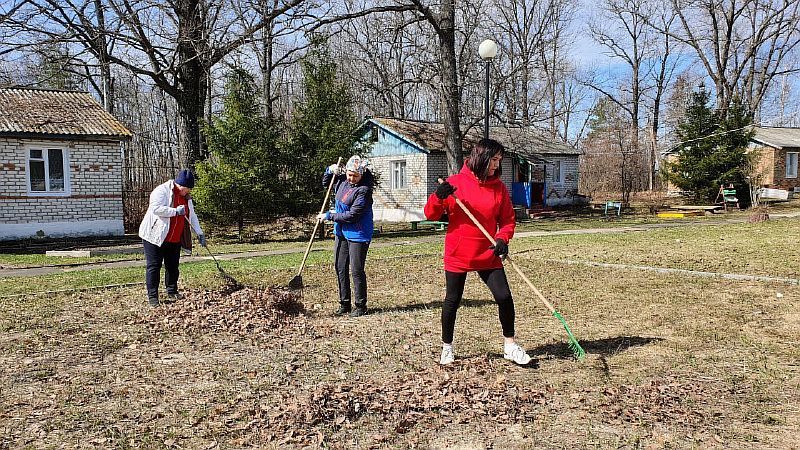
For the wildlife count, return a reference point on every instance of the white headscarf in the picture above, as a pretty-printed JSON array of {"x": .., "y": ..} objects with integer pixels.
[{"x": 356, "y": 164}]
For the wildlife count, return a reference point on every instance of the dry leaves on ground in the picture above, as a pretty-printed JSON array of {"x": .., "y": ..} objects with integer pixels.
[
  {"x": 246, "y": 311},
  {"x": 668, "y": 399},
  {"x": 470, "y": 390}
]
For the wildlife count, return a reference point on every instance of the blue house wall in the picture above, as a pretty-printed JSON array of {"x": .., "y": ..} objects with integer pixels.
[{"x": 389, "y": 150}]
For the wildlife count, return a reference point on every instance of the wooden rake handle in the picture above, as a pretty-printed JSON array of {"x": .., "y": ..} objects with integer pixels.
[
  {"x": 508, "y": 257},
  {"x": 316, "y": 225}
]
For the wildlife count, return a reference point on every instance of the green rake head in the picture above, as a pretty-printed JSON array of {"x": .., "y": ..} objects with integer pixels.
[{"x": 576, "y": 348}]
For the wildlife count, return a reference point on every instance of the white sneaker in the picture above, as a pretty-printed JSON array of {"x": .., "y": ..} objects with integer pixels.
[
  {"x": 514, "y": 352},
  {"x": 447, "y": 355}
]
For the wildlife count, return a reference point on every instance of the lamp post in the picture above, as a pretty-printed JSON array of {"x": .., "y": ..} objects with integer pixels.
[{"x": 487, "y": 51}]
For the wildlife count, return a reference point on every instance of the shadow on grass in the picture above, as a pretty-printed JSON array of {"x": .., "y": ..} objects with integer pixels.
[
  {"x": 433, "y": 304},
  {"x": 602, "y": 347}
]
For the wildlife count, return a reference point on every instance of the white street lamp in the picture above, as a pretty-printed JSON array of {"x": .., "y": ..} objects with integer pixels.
[{"x": 487, "y": 51}]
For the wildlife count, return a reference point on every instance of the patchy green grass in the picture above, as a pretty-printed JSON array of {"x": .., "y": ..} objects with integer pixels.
[
  {"x": 295, "y": 235},
  {"x": 754, "y": 249},
  {"x": 673, "y": 361}
]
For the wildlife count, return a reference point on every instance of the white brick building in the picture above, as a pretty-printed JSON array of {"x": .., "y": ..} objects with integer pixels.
[
  {"x": 60, "y": 165},
  {"x": 408, "y": 157}
]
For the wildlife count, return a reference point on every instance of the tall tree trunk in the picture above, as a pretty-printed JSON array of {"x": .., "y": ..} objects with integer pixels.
[
  {"x": 191, "y": 100},
  {"x": 551, "y": 88},
  {"x": 101, "y": 46},
  {"x": 451, "y": 93},
  {"x": 266, "y": 69}
]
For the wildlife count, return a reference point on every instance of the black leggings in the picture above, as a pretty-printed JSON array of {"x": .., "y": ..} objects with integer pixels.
[
  {"x": 496, "y": 280},
  {"x": 349, "y": 257}
]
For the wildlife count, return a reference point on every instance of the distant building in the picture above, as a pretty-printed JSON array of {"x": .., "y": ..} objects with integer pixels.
[
  {"x": 60, "y": 165},
  {"x": 778, "y": 149},
  {"x": 408, "y": 156}
]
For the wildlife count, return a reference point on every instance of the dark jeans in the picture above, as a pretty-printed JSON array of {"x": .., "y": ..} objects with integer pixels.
[
  {"x": 496, "y": 280},
  {"x": 170, "y": 255},
  {"x": 350, "y": 257}
]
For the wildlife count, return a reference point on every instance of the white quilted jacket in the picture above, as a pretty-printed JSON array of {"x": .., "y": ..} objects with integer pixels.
[{"x": 155, "y": 225}]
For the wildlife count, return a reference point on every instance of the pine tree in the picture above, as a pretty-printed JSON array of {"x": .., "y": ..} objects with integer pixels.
[
  {"x": 321, "y": 131},
  {"x": 239, "y": 182},
  {"x": 713, "y": 149}
]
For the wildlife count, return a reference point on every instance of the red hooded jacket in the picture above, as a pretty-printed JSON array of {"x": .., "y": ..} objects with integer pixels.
[{"x": 465, "y": 247}]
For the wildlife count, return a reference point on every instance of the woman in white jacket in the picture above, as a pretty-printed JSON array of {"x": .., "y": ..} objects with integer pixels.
[{"x": 164, "y": 231}]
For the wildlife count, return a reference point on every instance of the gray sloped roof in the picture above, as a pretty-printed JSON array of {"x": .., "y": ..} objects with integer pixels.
[
  {"x": 32, "y": 112},
  {"x": 430, "y": 136},
  {"x": 778, "y": 137}
]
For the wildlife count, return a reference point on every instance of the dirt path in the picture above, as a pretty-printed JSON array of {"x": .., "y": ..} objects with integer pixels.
[{"x": 46, "y": 270}]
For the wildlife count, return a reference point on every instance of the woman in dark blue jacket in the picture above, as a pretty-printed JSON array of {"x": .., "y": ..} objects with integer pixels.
[{"x": 352, "y": 227}]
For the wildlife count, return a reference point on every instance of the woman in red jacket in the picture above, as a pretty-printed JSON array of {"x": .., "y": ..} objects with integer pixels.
[{"x": 466, "y": 249}]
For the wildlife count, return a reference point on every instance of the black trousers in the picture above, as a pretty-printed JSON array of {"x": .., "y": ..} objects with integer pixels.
[
  {"x": 170, "y": 255},
  {"x": 350, "y": 257},
  {"x": 496, "y": 280}
]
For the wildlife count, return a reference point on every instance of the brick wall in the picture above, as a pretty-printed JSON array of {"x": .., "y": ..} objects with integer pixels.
[
  {"x": 766, "y": 164},
  {"x": 780, "y": 181},
  {"x": 422, "y": 173},
  {"x": 400, "y": 204},
  {"x": 561, "y": 192},
  {"x": 95, "y": 183},
  {"x": 423, "y": 170}
]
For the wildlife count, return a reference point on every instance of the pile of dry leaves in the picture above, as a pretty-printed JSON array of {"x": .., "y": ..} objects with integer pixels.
[
  {"x": 244, "y": 311},
  {"x": 469, "y": 390}
]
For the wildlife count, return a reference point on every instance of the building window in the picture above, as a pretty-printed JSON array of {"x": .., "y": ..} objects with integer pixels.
[
  {"x": 398, "y": 174},
  {"x": 373, "y": 134},
  {"x": 791, "y": 165},
  {"x": 557, "y": 172},
  {"x": 46, "y": 171}
]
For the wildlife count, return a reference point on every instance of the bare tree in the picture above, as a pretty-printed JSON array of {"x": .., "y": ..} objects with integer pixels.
[
  {"x": 80, "y": 25},
  {"x": 524, "y": 28},
  {"x": 443, "y": 22},
  {"x": 661, "y": 71},
  {"x": 385, "y": 56},
  {"x": 174, "y": 44},
  {"x": 742, "y": 44},
  {"x": 9, "y": 12},
  {"x": 622, "y": 31},
  {"x": 441, "y": 17}
]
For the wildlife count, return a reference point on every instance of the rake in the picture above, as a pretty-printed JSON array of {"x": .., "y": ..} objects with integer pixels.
[
  {"x": 576, "y": 348},
  {"x": 228, "y": 278},
  {"x": 297, "y": 281}
]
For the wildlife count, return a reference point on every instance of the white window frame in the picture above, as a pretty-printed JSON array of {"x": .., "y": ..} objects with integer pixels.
[
  {"x": 46, "y": 158},
  {"x": 392, "y": 165},
  {"x": 792, "y": 174},
  {"x": 559, "y": 172}
]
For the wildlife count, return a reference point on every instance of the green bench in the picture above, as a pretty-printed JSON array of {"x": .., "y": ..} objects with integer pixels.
[
  {"x": 437, "y": 225},
  {"x": 727, "y": 196}
]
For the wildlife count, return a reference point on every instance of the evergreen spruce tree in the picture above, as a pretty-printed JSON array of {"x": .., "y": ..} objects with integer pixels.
[
  {"x": 713, "y": 149},
  {"x": 239, "y": 182},
  {"x": 321, "y": 131}
]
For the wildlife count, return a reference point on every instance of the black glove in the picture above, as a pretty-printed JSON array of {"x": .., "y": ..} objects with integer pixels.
[
  {"x": 444, "y": 190},
  {"x": 500, "y": 248}
]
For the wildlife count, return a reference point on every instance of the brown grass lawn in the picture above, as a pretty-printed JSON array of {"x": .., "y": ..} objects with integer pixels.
[{"x": 673, "y": 361}]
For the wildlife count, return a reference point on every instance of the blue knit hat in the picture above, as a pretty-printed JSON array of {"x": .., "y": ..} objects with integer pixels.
[{"x": 185, "y": 178}]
